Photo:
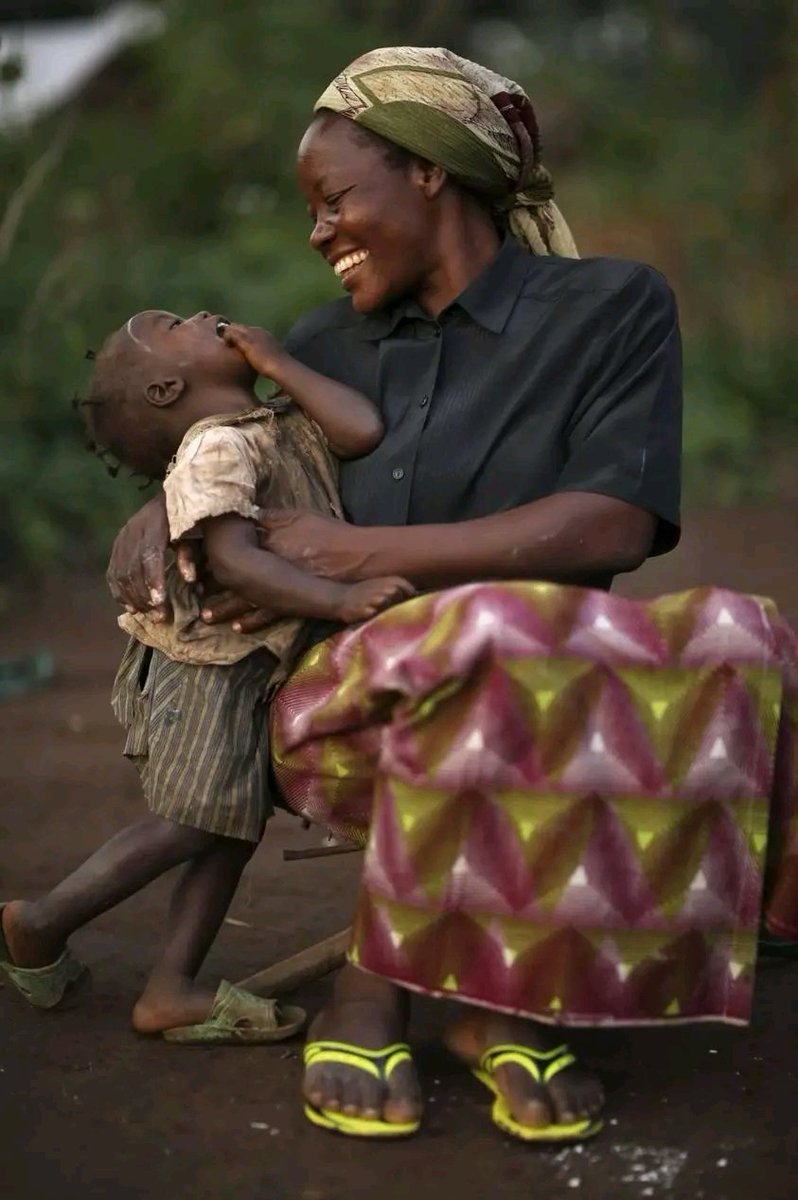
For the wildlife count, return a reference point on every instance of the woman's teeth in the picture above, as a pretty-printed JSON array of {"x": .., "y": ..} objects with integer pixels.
[
  {"x": 221, "y": 325},
  {"x": 350, "y": 260}
]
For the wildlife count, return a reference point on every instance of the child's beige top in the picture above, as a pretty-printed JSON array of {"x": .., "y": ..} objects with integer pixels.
[{"x": 270, "y": 457}]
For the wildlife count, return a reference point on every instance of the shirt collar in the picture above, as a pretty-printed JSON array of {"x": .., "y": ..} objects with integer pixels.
[{"x": 489, "y": 299}]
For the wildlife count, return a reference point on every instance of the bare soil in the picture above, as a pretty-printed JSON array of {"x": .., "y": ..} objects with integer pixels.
[{"x": 88, "y": 1109}]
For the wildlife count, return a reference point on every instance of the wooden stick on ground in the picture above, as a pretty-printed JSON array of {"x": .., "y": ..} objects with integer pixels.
[
  {"x": 321, "y": 851},
  {"x": 300, "y": 968}
]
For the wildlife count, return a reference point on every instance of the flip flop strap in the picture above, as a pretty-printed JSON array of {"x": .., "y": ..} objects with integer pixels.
[
  {"x": 43, "y": 986},
  {"x": 542, "y": 1065},
  {"x": 379, "y": 1063},
  {"x": 234, "y": 1006}
]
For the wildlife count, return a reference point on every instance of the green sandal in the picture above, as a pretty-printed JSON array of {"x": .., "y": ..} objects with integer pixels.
[
  {"x": 240, "y": 1018},
  {"x": 379, "y": 1063},
  {"x": 542, "y": 1065},
  {"x": 43, "y": 987}
]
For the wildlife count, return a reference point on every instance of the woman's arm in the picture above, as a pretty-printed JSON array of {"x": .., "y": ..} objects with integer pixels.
[
  {"x": 567, "y": 537},
  {"x": 282, "y": 589},
  {"x": 570, "y": 537},
  {"x": 348, "y": 420}
]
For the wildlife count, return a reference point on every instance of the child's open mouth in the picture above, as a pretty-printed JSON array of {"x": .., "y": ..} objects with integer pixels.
[{"x": 221, "y": 324}]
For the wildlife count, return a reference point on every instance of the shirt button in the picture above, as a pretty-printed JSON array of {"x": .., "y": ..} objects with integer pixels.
[
  {"x": 437, "y": 331},
  {"x": 398, "y": 473},
  {"x": 424, "y": 401}
]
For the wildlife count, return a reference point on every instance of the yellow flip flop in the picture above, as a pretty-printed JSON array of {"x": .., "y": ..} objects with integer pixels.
[
  {"x": 542, "y": 1065},
  {"x": 380, "y": 1064}
]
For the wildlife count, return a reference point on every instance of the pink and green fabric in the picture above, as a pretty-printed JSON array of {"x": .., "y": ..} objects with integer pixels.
[{"x": 574, "y": 805}]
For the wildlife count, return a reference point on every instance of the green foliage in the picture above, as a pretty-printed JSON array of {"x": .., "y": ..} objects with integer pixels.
[{"x": 174, "y": 187}]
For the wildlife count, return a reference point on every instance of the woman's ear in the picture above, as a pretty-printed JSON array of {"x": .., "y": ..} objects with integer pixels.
[
  {"x": 163, "y": 392},
  {"x": 429, "y": 177}
]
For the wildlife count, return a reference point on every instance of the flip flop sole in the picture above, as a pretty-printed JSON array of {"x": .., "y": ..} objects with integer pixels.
[
  {"x": 358, "y": 1127},
  {"x": 231, "y": 1035}
]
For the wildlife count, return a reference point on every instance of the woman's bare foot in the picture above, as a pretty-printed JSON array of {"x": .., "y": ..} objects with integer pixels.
[
  {"x": 29, "y": 944},
  {"x": 573, "y": 1095},
  {"x": 169, "y": 1004},
  {"x": 369, "y": 1012}
]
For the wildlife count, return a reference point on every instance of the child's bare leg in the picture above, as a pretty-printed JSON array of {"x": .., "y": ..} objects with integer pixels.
[
  {"x": 37, "y": 931},
  {"x": 199, "y": 904}
]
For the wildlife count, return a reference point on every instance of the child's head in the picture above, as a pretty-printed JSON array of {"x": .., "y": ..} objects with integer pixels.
[{"x": 154, "y": 378}]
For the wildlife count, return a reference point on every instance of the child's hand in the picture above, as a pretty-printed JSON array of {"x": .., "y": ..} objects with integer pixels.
[
  {"x": 258, "y": 347},
  {"x": 361, "y": 601}
]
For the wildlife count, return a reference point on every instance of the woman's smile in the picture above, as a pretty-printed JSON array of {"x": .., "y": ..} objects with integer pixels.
[{"x": 348, "y": 267}]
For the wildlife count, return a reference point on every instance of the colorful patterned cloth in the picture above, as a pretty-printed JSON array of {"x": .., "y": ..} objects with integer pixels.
[{"x": 570, "y": 801}]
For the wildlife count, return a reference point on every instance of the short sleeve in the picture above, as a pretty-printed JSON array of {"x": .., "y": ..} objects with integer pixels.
[
  {"x": 215, "y": 474},
  {"x": 625, "y": 436}
]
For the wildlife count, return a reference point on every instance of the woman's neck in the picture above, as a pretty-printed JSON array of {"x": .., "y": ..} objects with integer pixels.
[{"x": 468, "y": 242}]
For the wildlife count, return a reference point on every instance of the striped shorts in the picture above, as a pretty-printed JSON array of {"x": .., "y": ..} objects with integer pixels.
[{"x": 199, "y": 738}]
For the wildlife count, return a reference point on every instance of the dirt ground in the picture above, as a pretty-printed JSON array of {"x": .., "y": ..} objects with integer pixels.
[{"x": 89, "y": 1110}]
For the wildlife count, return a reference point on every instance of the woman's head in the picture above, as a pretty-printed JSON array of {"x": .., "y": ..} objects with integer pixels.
[
  {"x": 377, "y": 210},
  {"x": 416, "y": 128}
]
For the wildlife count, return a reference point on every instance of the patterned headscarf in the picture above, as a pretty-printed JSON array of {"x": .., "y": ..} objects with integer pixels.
[{"x": 477, "y": 125}]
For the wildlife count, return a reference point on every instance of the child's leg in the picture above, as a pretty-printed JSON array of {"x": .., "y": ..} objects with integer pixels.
[
  {"x": 36, "y": 931},
  {"x": 199, "y": 904}
]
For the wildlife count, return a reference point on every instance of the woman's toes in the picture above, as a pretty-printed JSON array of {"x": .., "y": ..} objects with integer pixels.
[
  {"x": 317, "y": 1087},
  {"x": 575, "y": 1099},
  {"x": 371, "y": 1098},
  {"x": 526, "y": 1100},
  {"x": 403, "y": 1103},
  {"x": 533, "y": 1112},
  {"x": 352, "y": 1097}
]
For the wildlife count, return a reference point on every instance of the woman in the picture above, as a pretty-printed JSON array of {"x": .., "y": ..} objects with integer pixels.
[{"x": 532, "y": 409}]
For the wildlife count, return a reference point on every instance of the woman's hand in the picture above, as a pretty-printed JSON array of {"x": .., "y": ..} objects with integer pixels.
[
  {"x": 320, "y": 545},
  {"x": 136, "y": 571}
]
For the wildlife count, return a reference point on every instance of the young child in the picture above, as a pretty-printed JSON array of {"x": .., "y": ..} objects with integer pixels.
[{"x": 174, "y": 399}]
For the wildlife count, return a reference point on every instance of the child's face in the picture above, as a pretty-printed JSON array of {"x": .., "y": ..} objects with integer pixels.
[{"x": 191, "y": 346}]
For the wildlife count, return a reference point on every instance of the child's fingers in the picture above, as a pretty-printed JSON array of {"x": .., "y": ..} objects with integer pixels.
[
  {"x": 253, "y": 622},
  {"x": 224, "y": 608}
]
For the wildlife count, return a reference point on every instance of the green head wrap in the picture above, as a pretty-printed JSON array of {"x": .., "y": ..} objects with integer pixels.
[{"x": 477, "y": 125}]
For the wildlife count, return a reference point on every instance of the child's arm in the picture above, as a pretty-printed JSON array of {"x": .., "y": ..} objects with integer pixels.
[
  {"x": 266, "y": 581},
  {"x": 348, "y": 420}
]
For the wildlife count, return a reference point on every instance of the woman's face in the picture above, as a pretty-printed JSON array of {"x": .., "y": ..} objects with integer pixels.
[{"x": 372, "y": 221}]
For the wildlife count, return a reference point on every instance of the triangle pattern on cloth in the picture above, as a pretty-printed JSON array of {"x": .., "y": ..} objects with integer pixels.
[
  {"x": 614, "y": 630},
  {"x": 729, "y": 626},
  {"x": 731, "y": 758},
  {"x": 614, "y": 752}
]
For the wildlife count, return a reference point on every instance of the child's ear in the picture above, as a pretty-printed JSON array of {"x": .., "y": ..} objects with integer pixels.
[{"x": 163, "y": 392}]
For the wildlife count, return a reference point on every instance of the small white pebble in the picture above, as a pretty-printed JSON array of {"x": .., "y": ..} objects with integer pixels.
[
  {"x": 723, "y": 1162},
  {"x": 258, "y": 1125},
  {"x": 648, "y": 1191},
  {"x": 713, "y": 1052},
  {"x": 574, "y": 1183},
  {"x": 579, "y": 1149},
  {"x": 613, "y": 1120},
  {"x": 274, "y": 1132}
]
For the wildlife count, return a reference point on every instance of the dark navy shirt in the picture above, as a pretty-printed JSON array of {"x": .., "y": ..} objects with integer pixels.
[{"x": 545, "y": 375}]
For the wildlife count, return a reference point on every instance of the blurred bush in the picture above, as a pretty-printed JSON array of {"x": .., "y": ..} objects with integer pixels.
[{"x": 170, "y": 183}]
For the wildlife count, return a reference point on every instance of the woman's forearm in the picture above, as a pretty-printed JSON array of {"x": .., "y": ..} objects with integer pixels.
[{"x": 567, "y": 538}]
